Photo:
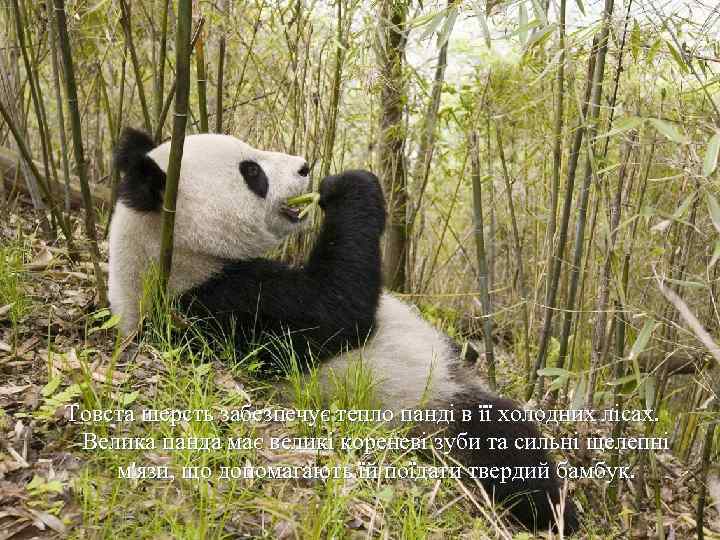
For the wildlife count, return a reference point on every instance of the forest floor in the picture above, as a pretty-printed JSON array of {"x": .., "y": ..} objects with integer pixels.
[{"x": 57, "y": 348}]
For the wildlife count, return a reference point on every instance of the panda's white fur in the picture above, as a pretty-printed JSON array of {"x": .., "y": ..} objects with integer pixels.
[
  {"x": 218, "y": 219},
  {"x": 405, "y": 354},
  {"x": 408, "y": 358},
  {"x": 233, "y": 223}
]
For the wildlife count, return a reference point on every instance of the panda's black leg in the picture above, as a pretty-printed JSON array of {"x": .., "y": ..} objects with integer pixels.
[{"x": 533, "y": 482}]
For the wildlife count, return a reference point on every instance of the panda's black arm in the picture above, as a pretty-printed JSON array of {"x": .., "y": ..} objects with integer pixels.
[{"x": 322, "y": 308}]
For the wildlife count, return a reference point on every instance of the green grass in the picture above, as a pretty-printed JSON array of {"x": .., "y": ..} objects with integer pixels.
[
  {"x": 13, "y": 293},
  {"x": 263, "y": 508}
]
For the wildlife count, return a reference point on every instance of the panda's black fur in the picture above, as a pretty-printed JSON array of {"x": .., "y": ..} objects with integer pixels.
[
  {"x": 329, "y": 305},
  {"x": 143, "y": 184},
  {"x": 320, "y": 307}
]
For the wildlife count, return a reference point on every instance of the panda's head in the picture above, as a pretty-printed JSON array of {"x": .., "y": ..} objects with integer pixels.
[{"x": 231, "y": 196}]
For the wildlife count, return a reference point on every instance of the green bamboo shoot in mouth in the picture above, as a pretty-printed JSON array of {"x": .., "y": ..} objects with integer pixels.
[{"x": 298, "y": 207}]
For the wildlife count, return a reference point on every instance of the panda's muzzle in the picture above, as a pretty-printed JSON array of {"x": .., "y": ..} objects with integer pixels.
[{"x": 291, "y": 213}]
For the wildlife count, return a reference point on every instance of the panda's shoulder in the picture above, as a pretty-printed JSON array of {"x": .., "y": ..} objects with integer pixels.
[{"x": 142, "y": 180}]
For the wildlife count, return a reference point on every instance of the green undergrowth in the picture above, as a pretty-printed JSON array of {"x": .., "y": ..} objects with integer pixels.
[
  {"x": 193, "y": 371},
  {"x": 15, "y": 302}
]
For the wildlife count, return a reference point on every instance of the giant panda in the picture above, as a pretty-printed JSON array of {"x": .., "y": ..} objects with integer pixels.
[{"x": 230, "y": 212}]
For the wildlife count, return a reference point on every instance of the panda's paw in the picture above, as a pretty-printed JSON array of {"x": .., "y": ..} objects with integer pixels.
[
  {"x": 349, "y": 184},
  {"x": 353, "y": 192}
]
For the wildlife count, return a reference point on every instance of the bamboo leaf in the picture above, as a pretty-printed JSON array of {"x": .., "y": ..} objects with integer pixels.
[
  {"x": 661, "y": 226},
  {"x": 558, "y": 383},
  {"x": 639, "y": 346},
  {"x": 539, "y": 12},
  {"x": 680, "y": 212},
  {"x": 111, "y": 322},
  {"x": 635, "y": 40},
  {"x": 580, "y": 6},
  {"x": 669, "y": 130},
  {"x": 711, "y": 155},
  {"x": 95, "y": 8},
  {"x": 650, "y": 384},
  {"x": 714, "y": 209},
  {"x": 447, "y": 27},
  {"x": 642, "y": 339},
  {"x": 677, "y": 57},
  {"x": 686, "y": 283},
  {"x": 434, "y": 25},
  {"x": 540, "y": 35},
  {"x": 52, "y": 385},
  {"x": 578, "y": 400},
  {"x": 623, "y": 125},
  {"x": 654, "y": 48},
  {"x": 483, "y": 23},
  {"x": 522, "y": 22},
  {"x": 715, "y": 255},
  {"x": 554, "y": 372},
  {"x": 622, "y": 380}
]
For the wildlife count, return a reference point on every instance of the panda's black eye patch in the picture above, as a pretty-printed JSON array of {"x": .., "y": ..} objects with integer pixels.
[{"x": 254, "y": 177}]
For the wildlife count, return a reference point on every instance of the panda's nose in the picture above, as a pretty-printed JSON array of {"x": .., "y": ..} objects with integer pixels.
[{"x": 304, "y": 170}]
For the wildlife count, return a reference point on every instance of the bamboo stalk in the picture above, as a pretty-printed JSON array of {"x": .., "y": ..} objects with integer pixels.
[
  {"x": 331, "y": 127},
  {"x": 125, "y": 20},
  {"x": 551, "y": 298},
  {"x": 421, "y": 172},
  {"x": 15, "y": 93},
  {"x": 160, "y": 68},
  {"x": 35, "y": 96},
  {"x": 557, "y": 150},
  {"x": 392, "y": 141},
  {"x": 446, "y": 226},
  {"x": 481, "y": 258},
  {"x": 220, "y": 81},
  {"x": 182, "y": 93},
  {"x": 592, "y": 120},
  {"x": 615, "y": 210},
  {"x": 173, "y": 86},
  {"x": 517, "y": 247},
  {"x": 121, "y": 103},
  {"x": 27, "y": 158},
  {"x": 72, "y": 99},
  {"x": 249, "y": 53},
  {"x": 60, "y": 111},
  {"x": 202, "y": 82}
]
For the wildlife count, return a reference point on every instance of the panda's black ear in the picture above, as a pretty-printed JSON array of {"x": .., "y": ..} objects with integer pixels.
[{"x": 143, "y": 181}]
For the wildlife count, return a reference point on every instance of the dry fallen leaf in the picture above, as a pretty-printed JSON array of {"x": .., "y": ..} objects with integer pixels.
[
  {"x": 13, "y": 389},
  {"x": 41, "y": 261},
  {"x": 44, "y": 518}
]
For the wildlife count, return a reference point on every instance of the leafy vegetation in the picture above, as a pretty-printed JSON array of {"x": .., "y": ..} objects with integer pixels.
[{"x": 552, "y": 178}]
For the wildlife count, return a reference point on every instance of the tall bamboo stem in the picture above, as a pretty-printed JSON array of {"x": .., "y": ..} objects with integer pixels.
[
  {"x": 481, "y": 257},
  {"x": 127, "y": 27},
  {"x": 160, "y": 68},
  {"x": 220, "y": 79},
  {"x": 202, "y": 82},
  {"x": 34, "y": 94},
  {"x": 72, "y": 100},
  {"x": 592, "y": 121},
  {"x": 182, "y": 93},
  {"x": 60, "y": 112},
  {"x": 41, "y": 181},
  {"x": 562, "y": 233},
  {"x": 517, "y": 247},
  {"x": 391, "y": 150}
]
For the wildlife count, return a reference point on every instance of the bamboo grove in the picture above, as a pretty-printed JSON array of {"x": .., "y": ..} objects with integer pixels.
[{"x": 550, "y": 169}]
